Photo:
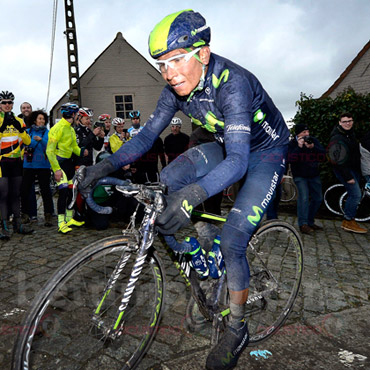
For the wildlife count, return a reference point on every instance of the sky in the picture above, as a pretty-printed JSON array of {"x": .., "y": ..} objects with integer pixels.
[{"x": 292, "y": 46}]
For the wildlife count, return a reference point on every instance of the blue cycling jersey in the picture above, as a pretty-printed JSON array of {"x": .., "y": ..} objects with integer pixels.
[{"x": 233, "y": 105}]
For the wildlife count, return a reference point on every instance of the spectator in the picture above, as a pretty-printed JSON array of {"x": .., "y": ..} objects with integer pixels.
[
  {"x": 304, "y": 154},
  {"x": 12, "y": 135},
  {"x": 26, "y": 110},
  {"x": 147, "y": 165},
  {"x": 86, "y": 138},
  {"x": 135, "y": 122},
  {"x": 344, "y": 155},
  {"x": 107, "y": 120},
  {"x": 36, "y": 164},
  {"x": 61, "y": 145},
  {"x": 176, "y": 142},
  {"x": 365, "y": 159},
  {"x": 120, "y": 136}
]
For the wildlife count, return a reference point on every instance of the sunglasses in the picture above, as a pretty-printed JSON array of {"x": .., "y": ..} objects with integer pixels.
[
  {"x": 6, "y": 102},
  {"x": 175, "y": 62}
]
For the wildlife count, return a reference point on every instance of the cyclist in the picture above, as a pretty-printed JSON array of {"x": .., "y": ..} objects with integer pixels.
[
  {"x": 61, "y": 145},
  {"x": 135, "y": 121},
  {"x": 251, "y": 143},
  {"x": 12, "y": 135},
  {"x": 119, "y": 137}
]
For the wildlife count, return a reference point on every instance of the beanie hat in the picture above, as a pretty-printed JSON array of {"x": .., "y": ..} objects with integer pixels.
[{"x": 300, "y": 127}]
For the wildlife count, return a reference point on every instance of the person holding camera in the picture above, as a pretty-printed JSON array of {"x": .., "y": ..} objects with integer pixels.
[
  {"x": 12, "y": 135},
  {"x": 304, "y": 154},
  {"x": 87, "y": 138},
  {"x": 36, "y": 164}
]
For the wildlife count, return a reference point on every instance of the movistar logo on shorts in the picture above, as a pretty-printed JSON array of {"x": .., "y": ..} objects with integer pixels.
[
  {"x": 254, "y": 219},
  {"x": 259, "y": 117},
  {"x": 186, "y": 208}
]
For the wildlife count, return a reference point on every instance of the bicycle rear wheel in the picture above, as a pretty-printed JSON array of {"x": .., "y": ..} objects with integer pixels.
[
  {"x": 332, "y": 197},
  {"x": 363, "y": 209},
  {"x": 276, "y": 267},
  {"x": 62, "y": 329}
]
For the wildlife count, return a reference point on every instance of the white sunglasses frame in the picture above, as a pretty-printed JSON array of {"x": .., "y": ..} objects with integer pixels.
[{"x": 166, "y": 62}]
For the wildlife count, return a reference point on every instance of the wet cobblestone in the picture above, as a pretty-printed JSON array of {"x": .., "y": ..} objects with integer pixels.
[{"x": 336, "y": 282}]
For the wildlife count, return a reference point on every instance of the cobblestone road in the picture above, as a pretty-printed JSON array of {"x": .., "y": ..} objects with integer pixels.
[{"x": 328, "y": 328}]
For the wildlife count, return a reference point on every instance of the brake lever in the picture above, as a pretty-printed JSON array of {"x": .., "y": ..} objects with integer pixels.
[{"x": 78, "y": 177}]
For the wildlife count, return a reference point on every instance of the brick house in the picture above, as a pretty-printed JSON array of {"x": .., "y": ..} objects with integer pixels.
[
  {"x": 356, "y": 75},
  {"x": 118, "y": 81}
]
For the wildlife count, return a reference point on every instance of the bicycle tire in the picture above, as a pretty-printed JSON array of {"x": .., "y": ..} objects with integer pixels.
[
  {"x": 363, "y": 209},
  {"x": 279, "y": 246},
  {"x": 273, "y": 240},
  {"x": 57, "y": 331},
  {"x": 289, "y": 190},
  {"x": 332, "y": 197}
]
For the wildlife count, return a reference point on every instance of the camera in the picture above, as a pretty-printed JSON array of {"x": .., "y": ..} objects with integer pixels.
[
  {"x": 28, "y": 151},
  {"x": 308, "y": 139},
  {"x": 99, "y": 124}
]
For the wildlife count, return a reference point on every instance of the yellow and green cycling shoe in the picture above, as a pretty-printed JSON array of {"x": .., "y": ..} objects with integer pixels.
[
  {"x": 73, "y": 222},
  {"x": 63, "y": 228}
]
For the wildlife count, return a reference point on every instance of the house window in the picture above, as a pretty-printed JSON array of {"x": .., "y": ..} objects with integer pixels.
[{"x": 124, "y": 104}]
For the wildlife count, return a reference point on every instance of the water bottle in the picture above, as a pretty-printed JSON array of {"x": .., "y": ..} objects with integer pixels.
[
  {"x": 215, "y": 261},
  {"x": 198, "y": 257}
]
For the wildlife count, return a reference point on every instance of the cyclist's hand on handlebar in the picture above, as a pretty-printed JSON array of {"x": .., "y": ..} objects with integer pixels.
[
  {"x": 179, "y": 207},
  {"x": 88, "y": 176}
]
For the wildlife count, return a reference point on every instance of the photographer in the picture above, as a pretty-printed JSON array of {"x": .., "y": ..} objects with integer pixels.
[
  {"x": 304, "y": 154},
  {"x": 87, "y": 138}
]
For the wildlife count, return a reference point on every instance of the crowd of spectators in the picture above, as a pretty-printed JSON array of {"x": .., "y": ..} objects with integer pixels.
[{"x": 30, "y": 154}]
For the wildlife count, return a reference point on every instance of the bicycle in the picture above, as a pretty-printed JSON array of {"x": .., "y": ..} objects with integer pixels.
[
  {"x": 102, "y": 308},
  {"x": 335, "y": 197}
]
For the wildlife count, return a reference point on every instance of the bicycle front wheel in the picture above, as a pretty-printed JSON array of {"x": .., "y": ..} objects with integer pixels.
[
  {"x": 275, "y": 260},
  {"x": 64, "y": 328}
]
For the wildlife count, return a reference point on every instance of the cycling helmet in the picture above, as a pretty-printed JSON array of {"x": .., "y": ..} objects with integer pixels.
[
  {"x": 118, "y": 120},
  {"x": 104, "y": 117},
  {"x": 85, "y": 112},
  {"x": 6, "y": 95},
  {"x": 180, "y": 30},
  {"x": 134, "y": 114},
  {"x": 176, "y": 121},
  {"x": 68, "y": 109}
]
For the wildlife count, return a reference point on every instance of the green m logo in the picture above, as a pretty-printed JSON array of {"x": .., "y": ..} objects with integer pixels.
[
  {"x": 257, "y": 217},
  {"x": 188, "y": 207},
  {"x": 227, "y": 360},
  {"x": 216, "y": 81}
]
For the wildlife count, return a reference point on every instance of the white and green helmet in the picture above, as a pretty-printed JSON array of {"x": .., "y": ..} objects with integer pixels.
[{"x": 179, "y": 30}]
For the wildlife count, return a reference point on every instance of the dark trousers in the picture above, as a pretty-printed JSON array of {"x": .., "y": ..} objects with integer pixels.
[{"x": 43, "y": 176}]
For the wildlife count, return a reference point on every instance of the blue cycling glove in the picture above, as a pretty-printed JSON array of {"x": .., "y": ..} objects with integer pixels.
[{"x": 179, "y": 207}]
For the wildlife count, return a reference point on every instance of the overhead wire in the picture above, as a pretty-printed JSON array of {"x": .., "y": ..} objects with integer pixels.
[{"x": 53, "y": 27}]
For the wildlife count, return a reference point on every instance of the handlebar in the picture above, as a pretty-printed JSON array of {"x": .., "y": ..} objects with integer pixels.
[{"x": 146, "y": 194}]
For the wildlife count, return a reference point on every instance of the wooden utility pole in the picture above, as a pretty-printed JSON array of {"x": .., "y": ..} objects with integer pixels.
[{"x": 74, "y": 94}]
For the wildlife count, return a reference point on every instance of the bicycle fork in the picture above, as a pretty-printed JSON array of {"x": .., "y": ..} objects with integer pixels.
[{"x": 114, "y": 331}]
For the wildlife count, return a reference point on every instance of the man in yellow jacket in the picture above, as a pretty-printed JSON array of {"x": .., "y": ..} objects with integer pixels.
[
  {"x": 13, "y": 135},
  {"x": 61, "y": 145}
]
